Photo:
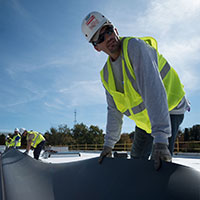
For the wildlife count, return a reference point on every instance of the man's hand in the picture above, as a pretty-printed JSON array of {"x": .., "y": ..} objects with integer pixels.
[
  {"x": 160, "y": 152},
  {"x": 107, "y": 152}
]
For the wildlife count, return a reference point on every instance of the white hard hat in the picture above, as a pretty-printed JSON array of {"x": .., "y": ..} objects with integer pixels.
[
  {"x": 16, "y": 130},
  {"x": 7, "y": 136},
  {"x": 21, "y": 130},
  {"x": 92, "y": 23}
]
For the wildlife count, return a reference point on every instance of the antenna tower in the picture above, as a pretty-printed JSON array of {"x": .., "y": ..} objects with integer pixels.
[{"x": 75, "y": 117}]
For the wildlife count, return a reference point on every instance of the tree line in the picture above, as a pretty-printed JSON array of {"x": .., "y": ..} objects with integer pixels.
[{"x": 82, "y": 134}]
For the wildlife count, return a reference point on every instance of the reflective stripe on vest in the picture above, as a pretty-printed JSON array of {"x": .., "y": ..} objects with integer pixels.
[
  {"x": 37, "y": 138},
  {"x": 130, "y": 102},
  {"x": 141, "y": 106},
  {"x": 18, "y": 143}
]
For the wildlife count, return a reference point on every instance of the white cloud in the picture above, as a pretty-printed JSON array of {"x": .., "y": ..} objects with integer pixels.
[
  {"x": 20, "y": 93},
  {"x": 163, "y": 16},
  {"x": 14, "y": 103},
  {"x": 56, "y": 104},
  {"x": 184, "y": 57},
  {"x": 175, "y": 25},
  {"x": 84, "y": 93}
]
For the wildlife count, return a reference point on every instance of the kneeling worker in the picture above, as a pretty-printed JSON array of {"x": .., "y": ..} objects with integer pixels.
[{"x": 34, "y": 139}]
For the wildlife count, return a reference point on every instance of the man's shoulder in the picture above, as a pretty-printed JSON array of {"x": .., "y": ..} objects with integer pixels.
[
  {"x": 133, "y": 43},
  {"x": 132, "y": 39},
  {"x": 133, "y": 46},
  {"x": 136, "y": 41}
]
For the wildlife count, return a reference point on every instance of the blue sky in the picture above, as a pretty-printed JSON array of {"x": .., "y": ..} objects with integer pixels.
[{"x": 48, "y": 70}]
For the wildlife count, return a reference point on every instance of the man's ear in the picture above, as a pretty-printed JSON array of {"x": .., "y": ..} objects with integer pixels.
[{"x": 116, "y": 31}]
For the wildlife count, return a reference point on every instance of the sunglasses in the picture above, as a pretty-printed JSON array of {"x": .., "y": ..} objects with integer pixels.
[{"x": 109, "y": 30}]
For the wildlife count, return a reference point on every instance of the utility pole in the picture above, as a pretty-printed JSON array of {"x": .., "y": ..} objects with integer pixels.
[{"x": 75, "y": 117}]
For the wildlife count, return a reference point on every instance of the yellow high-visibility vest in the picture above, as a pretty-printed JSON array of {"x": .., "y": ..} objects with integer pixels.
[
  {"x": 37, "y": 138},
  {"x": 8, "y": 141},
  {"x": 130, "y": 101},
  {"x": 12, "y": 143}
]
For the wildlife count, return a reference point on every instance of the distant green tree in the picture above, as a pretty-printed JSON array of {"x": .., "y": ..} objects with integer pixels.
[
  {"x": 84, "y": 135},
  {"x": 53, "y": 137},
  {"x": 96, "y": 135},
  {"x": 66, "y": 135},
  {"x": 195, "y": 132},
  {"x": 125, "y": 138},
  {"x": 48, "y": 138},
  {"x": 2, "y": 139},
  {"x": 186, "y": 134},
  {"x": 59, "y": 136},
  {"x": 192, "y": 134},
  {"x": 81, "y": 134}
]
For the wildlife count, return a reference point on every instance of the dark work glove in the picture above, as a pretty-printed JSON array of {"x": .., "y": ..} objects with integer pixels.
[
  {"x": 160, "y": 152},
  {"x": 106, "y": 152}
]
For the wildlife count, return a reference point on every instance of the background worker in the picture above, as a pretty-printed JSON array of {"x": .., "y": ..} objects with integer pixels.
[
  {"x": 140, "y": 84},
  {"x": 35, "y": 140},
  {"x": 8, "y": 141},
  {"x": 15, "y": 140}
]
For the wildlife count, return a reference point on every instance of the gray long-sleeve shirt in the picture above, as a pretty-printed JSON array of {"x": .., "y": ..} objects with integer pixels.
[{"x": 143, "y": 59}]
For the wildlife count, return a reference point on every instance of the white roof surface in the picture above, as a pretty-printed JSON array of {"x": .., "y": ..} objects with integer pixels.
[{"x": 190, "y": 160}]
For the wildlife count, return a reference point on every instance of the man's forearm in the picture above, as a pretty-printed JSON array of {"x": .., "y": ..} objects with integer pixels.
[
  {"x": 114, "y": 123},
  {"x": 28, "y": 147}
]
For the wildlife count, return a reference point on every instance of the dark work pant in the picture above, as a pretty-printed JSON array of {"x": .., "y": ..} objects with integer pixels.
[
  {"x": 142, "y": 143},
  {"x": 176, "y": 121},
  {"x": 38, "y": 149}
]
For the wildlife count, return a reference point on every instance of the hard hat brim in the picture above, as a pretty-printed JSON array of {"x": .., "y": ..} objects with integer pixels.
[{"x": 96, "y": 35}]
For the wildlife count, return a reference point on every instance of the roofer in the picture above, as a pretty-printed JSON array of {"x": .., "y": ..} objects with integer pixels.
[
  {"x": 35, "y": 140},
  {"x": 14, "y": 141},
  {"x": 140, "y": 84},
  {"x": 8, "y": 141}
]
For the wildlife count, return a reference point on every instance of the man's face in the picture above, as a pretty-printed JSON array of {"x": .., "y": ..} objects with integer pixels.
[
  {"x": 24, "y": 134},
  {"x": 109, "y": 41}
]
